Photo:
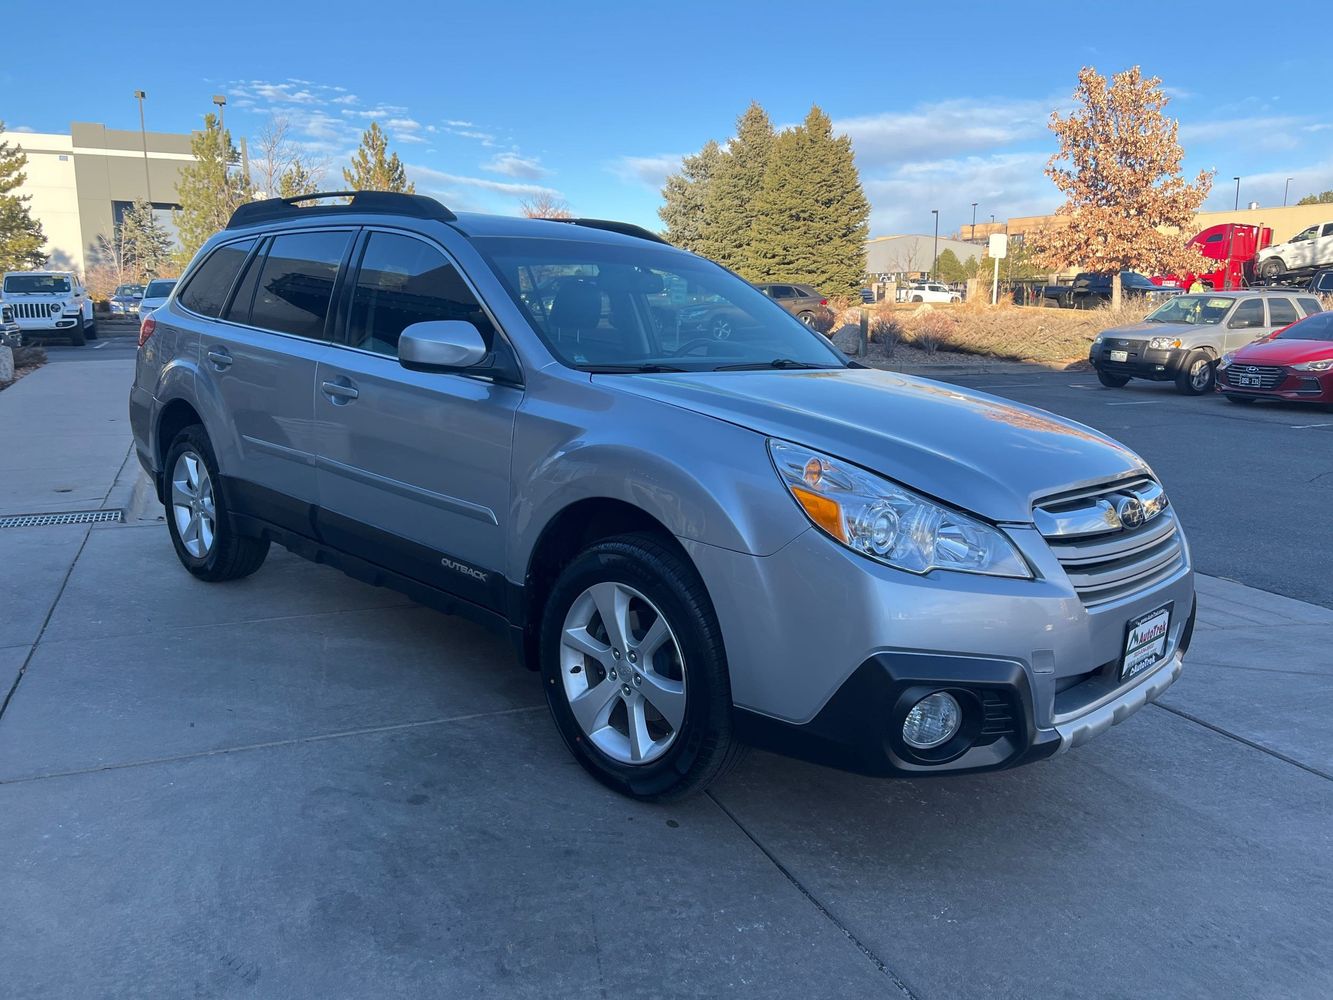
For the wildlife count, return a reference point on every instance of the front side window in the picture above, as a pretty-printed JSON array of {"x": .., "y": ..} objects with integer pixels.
[
  {"x": 1281, "y": 312},
  {"x": 1249, "y": 313},
  {"x": 1196, "y": 310},
  {"x": 36, "y": 284},
  {"x": 207, "y": 290},
  {"x": 642, "y": 306},
  {"x": 402, "y": 281},
  {"x": 1307, "y": 234},
  {"x": 295, "y": 285}
]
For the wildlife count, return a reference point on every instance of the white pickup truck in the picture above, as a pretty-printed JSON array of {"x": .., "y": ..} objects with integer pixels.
[
  {"x": 1310, "y": 248},
  {"x": 929, "y": 291},
  {"x": 49, "y": 304}
]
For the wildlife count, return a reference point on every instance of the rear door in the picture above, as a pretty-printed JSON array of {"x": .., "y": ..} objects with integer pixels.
[
  {"x": 260, "y": 360},
  {"x": 413, "y": 466},
  {"x": 1281, "y": 312}
]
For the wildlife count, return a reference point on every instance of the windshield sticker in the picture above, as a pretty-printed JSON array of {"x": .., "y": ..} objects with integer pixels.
[{"x": 1218, "y": 303}]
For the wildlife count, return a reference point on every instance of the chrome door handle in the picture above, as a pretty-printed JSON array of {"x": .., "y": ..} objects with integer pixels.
[
  {"x": 340, "y": 391},
  {"x": 220, "y": 358}
]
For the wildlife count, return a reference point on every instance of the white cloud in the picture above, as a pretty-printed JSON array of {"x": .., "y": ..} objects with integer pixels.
[
  {"x": 650, "y": 171},
  {"x": 514, "y": 165},
  {"x": 944, "y": 128},
  {"x": 444, "y": 181}
]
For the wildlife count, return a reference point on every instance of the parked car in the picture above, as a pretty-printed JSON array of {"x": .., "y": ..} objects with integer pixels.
[
  {"x": 1321, "y": 282},
  {"x": 1091, "y": 290},
  {"x": 50, "y": 303},
  {"x": 1183, "y": 338},
  {"x": 1295, "y": 363},
  {"x": 802, "y": 301},
  {"x": 699, "y": 543},
  {"x": 1310, "y": 248},
  {"x": 930, "y": 291},
  {"x": 11, "y": 334},
  {"x": 868, "y": 296},
  {"x": 156, "y": 294},
  {"x": 125, "y": 301}
]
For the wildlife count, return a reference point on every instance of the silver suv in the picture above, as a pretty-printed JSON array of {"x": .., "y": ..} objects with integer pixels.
[{"x": 701, "y": 542}]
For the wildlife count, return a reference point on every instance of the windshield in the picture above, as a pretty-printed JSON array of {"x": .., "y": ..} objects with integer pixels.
[
  {"x": 607, "y": 307},
  {"x": 1196, "y": 310},
  {"x": 159, "y": 289},
  {"x": 129, "y": 291},
  {"x": 1316, "y": 327},
  {"x": 45, "y": 284}
]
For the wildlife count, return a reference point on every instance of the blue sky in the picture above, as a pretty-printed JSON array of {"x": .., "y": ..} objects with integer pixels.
[{"x": 487, "y": 103}]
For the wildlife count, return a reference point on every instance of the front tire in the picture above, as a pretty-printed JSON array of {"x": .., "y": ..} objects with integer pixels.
[
  {"x": 77, "y": 337},
  {"x": 1112, "y": 381},
  {"x": 197, "y": 516},
  {"x": 1196, "y": 374},
  {"x": 808, "y": 318},
  {"x": 1272, "y": 269},
  {"x": 635, "y": 671}
]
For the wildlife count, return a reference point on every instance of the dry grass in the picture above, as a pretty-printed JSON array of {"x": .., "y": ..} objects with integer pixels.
[{"x": 1005, "y": 331}]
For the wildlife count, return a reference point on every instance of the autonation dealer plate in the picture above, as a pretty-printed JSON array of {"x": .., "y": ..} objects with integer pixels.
[{"x": 1145, "y": 641}]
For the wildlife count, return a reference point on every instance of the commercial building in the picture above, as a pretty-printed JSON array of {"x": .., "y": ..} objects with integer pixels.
[
  {"x": 81, "y": 183},
  {"x": 890, "y": 258}
]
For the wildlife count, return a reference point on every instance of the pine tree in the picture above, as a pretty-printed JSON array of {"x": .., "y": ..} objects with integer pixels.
[
  {"x": 810, "y": 220},
  {"x": 1126, "y": 202},
  {"x": 736, "y": 182},
  {"x": 147, "y": 242},
  {"x": 686, "y": 195},
  {"x": 374, "y": 168},
  {"x": 21, "y": 236},
  {"x": 208, "y": 190},
  {"x": 296, "y": 181},
  {"x": 948, "y": 268}
]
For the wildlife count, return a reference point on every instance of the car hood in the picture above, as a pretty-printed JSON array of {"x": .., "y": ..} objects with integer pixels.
[
  {"x": 975, "y": 451},
  {"x": 1284, "y": 352},
  {"x": 1146, "y": 331}
]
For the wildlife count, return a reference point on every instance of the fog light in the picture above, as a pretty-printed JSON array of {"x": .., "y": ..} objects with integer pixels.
[{"x": 933, "y": 720}]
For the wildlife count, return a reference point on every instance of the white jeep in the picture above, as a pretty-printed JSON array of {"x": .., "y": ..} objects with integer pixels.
[{"x": 49, "y": 303}]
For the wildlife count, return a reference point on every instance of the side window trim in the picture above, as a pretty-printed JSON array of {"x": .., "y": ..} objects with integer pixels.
[
  {"x": 188, "y": 279},
  {"x": 257, "y": 252},
  {"x": 352, "y": 273}
]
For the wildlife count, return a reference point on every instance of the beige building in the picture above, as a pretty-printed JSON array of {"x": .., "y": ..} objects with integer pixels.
[{"x": 81, "y": 183}]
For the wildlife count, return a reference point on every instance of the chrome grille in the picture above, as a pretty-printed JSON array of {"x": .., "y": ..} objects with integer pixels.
[
  {"x": 1269, "y": 377},
  {"x": 1105, "y": 560},
  {"x": 35, "y": 310}
]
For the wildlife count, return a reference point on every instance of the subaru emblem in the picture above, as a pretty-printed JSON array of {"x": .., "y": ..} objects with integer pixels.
[{"x": 1130, "y": 511}]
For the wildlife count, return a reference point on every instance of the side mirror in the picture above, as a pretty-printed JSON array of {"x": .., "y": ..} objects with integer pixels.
[{"x": 446, "y": 345}]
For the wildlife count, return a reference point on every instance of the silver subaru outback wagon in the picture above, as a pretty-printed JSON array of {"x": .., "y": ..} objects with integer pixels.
[{"x": 703, "y": 540}]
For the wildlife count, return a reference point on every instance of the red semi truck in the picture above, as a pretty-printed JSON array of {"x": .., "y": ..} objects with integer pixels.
[{"x": 1232, "y": 247}]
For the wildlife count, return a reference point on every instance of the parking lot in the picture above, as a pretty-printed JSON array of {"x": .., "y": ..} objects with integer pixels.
[{"x": 299, "y": 786}]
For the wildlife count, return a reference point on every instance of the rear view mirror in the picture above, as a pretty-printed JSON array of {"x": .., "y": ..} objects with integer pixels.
[{"x": 446, "y": 345}]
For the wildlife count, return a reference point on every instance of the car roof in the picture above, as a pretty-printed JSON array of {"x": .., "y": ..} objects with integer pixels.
[
  {"x": 54, "y": 274},
  {"x": 1241, "y": 293}
]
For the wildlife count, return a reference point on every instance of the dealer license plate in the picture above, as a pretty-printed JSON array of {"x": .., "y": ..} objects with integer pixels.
[
  {"x": 1145, "y": 642},
  {"x": 1119, "y": 355},
  {"x": 1253, "y": 380}
]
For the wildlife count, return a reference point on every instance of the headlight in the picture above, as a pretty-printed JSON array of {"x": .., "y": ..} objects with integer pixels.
[
  {"x": 1164, "y": 343},
  {"x": 888, "y": 522},
  {"x": 1097, "y": 339},
  {"x": 1314, "y": 366}
]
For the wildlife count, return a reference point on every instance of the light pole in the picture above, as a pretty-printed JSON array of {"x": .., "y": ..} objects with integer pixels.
[
  {"x": 1236, "y": 207},
  {"x": 974, "y": 221},
  {"x": 935, "y": 257},
  {"x": 139, "y": 95},
  {"x": 1286, "y": 187},
  {"x": 221, "y": 101}
]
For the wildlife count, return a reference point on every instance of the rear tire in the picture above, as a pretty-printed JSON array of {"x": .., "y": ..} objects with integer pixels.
[
  {"x": 808, "y": 318},
  {"x": 677, "y": 697},
  {"x": 197, "y": 514},
  {"x": 1112, "y": 381},
  {"x": 90, "y": 331},
  {"x": 1196, "y": 374}
]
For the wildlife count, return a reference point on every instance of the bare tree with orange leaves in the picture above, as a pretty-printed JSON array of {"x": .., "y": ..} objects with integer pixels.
[
  {"x": 545, "y": 205},
  {"x": 1126, "y": 203}
]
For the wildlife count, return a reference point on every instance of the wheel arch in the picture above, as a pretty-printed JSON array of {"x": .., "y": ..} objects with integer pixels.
[{"x": 175, "y": 416}]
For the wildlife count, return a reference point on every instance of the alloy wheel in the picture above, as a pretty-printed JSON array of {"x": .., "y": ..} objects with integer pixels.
[
  {"x": 623, "y": 672},
  {"x": 1200, "y": 375},
  {"x": 192, "y": 504}
]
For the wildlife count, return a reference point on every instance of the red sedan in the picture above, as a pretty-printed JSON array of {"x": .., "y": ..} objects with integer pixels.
[{"x": 1295, "y": 363}]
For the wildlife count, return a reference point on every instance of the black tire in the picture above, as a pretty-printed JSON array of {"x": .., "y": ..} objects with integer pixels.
[
  {"x": 1272, "y": 269},
  {"x": 1193, "y": 380},
  {"x": 1234, "y": 398},
  {"x": 1112, "y": 381},
  {"x": 77, "y": 338},
  {"x": 90, "y": 331},
  {"x": 231, "y": 555},
  {"x": 917, "y": 298},
  {"x": 703, "y": 749}
]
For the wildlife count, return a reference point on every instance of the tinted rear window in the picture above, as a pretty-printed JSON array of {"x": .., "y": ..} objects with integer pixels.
[
  {"x": 296, "y": 283},
  {"x": 207, "y": 291},
  {"x": 1281, "y": 312},
  {"x": 159, "y": 289},
  {"x": 1311, "y": 306}
]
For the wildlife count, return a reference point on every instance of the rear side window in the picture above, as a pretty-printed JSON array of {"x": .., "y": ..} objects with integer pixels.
[
  {"x": 207, "y": 290},
  {"x": 1281, "y": 312},
  {"x": 296, "y": 283},
  {"x": 402, "y": 281},
  {"x": 1311, "y": 306}
]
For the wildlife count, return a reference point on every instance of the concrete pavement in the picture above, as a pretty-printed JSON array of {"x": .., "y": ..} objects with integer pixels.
[{"x": 299, "y": 786}]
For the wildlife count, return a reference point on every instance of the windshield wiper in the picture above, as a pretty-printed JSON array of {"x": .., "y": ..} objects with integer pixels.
[
  {"x": 775, "y": 363},
  {"x": 647, "y": 369}
]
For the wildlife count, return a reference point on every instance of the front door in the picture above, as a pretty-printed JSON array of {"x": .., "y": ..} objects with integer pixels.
[
  {"x": 413, "y": 467},
  {"x": 1246, "y": 323}
]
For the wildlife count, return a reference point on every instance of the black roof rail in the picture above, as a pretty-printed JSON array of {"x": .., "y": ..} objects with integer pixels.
[
  {"x": 623, "y": 228},
  {"x": 361, "y": 202}
]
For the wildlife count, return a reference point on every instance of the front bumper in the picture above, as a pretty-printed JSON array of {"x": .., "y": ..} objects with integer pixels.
[
  {"x": 1143, "y": 361},
  {"x": 1298, "y": 387}
]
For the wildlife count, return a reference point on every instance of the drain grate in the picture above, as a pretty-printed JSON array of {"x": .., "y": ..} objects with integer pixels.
[{"x": 63, "y": 517}]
